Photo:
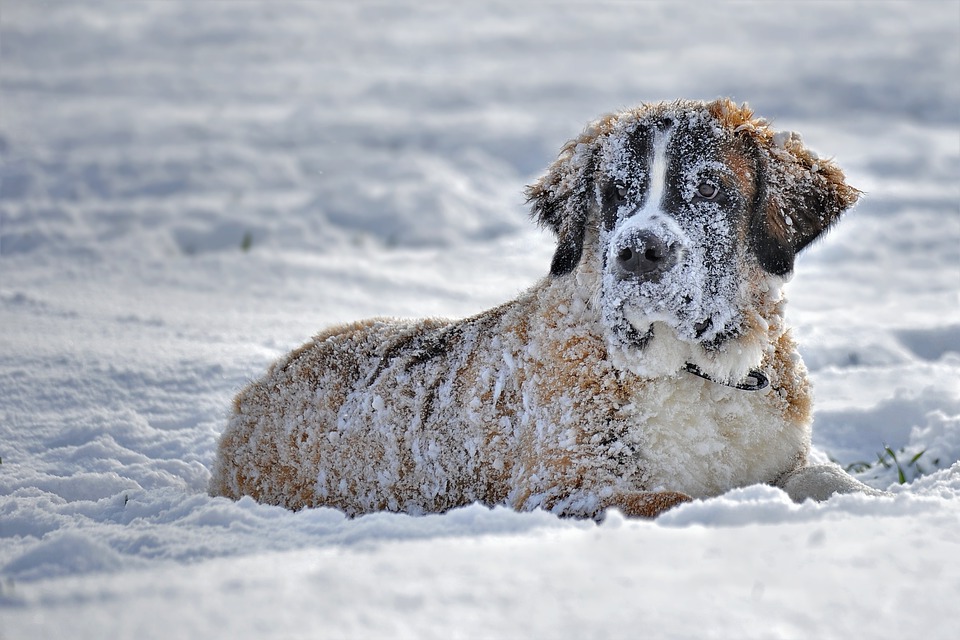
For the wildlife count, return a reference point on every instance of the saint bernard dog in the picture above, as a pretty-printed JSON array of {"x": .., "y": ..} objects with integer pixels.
[{"x": 650, "y": 367}]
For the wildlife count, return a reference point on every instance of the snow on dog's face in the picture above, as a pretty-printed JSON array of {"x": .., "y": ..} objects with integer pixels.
[{"x": 689, "y": 214}]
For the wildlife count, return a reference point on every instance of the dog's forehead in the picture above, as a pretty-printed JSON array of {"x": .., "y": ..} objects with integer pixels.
[{"x": 686, "y": 133}]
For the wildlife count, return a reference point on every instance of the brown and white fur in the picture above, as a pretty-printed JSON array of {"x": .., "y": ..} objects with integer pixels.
[{"x": 677, "y": 224}]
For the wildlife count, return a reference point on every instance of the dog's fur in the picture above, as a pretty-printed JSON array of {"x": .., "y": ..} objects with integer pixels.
[{"x": 576, "y": 396}]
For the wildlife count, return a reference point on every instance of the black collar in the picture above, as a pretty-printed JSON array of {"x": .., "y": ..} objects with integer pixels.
[{"x": 755, "y": 380}]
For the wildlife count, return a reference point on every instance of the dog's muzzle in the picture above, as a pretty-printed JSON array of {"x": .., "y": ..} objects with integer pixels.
[{"x": 644, "y": 256}]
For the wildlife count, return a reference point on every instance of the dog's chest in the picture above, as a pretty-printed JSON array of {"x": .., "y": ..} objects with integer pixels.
[{"x": 701, "y": 438}]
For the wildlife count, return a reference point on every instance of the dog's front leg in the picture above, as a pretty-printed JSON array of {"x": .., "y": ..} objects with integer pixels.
[
  {"x": 819, "y": 482},
  {"x": 645, "y": 504}
]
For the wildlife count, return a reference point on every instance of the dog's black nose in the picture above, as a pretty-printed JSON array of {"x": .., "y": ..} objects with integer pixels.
[{"x": 645, "y": 255}]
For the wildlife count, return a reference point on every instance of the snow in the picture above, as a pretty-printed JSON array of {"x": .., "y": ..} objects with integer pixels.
[{"x": 372, "y": 159}]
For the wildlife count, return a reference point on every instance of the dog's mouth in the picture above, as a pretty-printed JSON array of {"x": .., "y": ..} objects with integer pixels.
[
  {"x": 689, "y": 306},
  {"x": 637, "y": 333},
  {"x": 661, "y": 344}
]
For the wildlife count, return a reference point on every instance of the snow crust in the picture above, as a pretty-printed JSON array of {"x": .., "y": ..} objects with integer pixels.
[{"x": 190, "y": 190}]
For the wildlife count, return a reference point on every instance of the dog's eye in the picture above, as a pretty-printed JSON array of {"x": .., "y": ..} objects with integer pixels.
[
  {"x": 621, "y": 191},
  {"x": 708, "y": 191}
]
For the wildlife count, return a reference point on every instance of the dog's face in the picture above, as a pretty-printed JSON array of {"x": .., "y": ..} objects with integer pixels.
[{"x": 689, "y": 213}]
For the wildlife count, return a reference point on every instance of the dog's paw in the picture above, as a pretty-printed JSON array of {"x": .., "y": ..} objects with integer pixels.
[
  {"x": 819, "y": 482},
  {"x": 646, "y": 504}
]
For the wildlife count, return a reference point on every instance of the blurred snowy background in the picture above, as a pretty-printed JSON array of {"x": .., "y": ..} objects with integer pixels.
[{"x": 189, "y": 189}]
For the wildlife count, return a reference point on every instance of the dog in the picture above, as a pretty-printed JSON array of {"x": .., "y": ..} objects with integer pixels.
[{"x": 651, "y": 366}]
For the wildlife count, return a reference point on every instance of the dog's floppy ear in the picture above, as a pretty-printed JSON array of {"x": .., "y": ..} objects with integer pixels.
[
  {"x": 560, "y": 200},
  {"x": 799, "y": 197}
]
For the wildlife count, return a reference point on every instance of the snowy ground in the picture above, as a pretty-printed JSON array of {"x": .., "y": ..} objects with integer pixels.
[{"x": 189, "y": 189}]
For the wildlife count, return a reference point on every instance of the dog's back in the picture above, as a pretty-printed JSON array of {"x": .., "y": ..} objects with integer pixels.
[{"x": 370, "y": 416}]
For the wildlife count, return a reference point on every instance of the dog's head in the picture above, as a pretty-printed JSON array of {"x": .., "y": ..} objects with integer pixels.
[{"x": 687, "y": 213}]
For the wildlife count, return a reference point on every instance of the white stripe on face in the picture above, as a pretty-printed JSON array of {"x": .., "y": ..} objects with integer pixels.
[
  {"x": 658, "y": 173},
  {"x": 652, "y": 217}
]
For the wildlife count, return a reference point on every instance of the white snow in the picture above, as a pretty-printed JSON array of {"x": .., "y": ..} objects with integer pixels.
[{"x": 371, "y": 158}]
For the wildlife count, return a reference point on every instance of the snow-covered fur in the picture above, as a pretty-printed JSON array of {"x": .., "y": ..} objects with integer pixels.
[{"x": 677, "y": 225}]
